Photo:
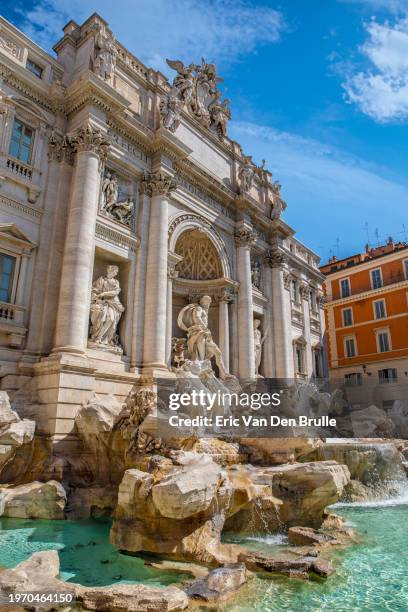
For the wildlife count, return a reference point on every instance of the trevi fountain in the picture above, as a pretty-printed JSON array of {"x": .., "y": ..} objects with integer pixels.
[{"x": 143, "y": 249}]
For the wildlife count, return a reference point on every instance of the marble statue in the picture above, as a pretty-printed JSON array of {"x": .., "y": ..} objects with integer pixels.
[
  {"x": 219, "y": 114},
  {"x": 201, "y": 347},
  {"x": 196, "y": 87},
  {"x": 110, "y": 190},
  {"x": 246, "y": 174},
  {"x": 256, "y": 274},
  {"x": 105, "y": 57},
  {"x": 106, "y": 311},
  {"x": 169, "y": 108},
  {"x": 258, "y": 344},
  {"x": 119, "y": 210},
  {"x": 278, "y": 203}
]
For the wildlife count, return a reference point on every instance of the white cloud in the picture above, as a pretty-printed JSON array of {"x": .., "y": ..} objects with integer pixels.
[
  {"x": 220, "y": 30},
  {"x": 381, "y": 91},
  {"x": 326, "y": 188},
  {"x": 391, "y": 6}
]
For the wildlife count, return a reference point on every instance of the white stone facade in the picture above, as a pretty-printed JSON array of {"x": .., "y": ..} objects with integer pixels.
[{"x": 103, "y": 163}]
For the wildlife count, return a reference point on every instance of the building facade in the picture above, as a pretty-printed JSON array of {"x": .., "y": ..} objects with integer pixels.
[
  {"x": 367, "y": 321},
  {"x": 122, "y": 199}
]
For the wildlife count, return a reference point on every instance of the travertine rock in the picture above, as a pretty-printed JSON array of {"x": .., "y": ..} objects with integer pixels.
[
  {"x": 85, "y": 502},
  {"x": 274, "y": 451},
  {"x": 16, "y": 436},
  {"x": 219, "y": 584},
  {"x": 295, "y": 567},
  {"x": 188, "y": 491},
  {"x": 40, "y": 573},
  {"x": 303, "y": 536},
  {"x": 182, "y": 513},
  {"x": 306, "y": 489},
  {"x": 34, "y": 500},
  {"x": 132, "y": 598},
  {"x": 370, "y": 462},
  {"x": 152, "y": 517},
  {"x": 7, "y": 415}
]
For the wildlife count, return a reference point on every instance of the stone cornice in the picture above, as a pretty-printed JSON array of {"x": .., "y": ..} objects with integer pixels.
[
  {"x": 38, "y": 95},
  {"x": 91, "y": 89},
  {"x": 158, "y": 183},
  {"x": 117, "y": 238},
  {"x": 24, "y": 208}
]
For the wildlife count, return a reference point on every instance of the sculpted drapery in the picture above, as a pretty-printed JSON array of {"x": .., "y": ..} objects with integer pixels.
[{"x": 106, "y": 309}]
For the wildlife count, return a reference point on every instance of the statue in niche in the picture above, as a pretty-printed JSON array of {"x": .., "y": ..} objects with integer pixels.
[
  {"x": 119, "y": 210},
  {"x": 201, "y": 347},
  {"x": 110, "y": 190},
  {"x": 246, "y": 174},
  {"x": 258, "y": 344},
  {"x": 106, "y": 311},
  {"x": 105, "y": 57},
  {"x": 256, "y": 274}
]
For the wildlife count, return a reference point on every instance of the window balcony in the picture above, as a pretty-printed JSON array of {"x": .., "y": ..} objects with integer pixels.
[
  {"x": 12, "y": 324},
  {"x": 17, "y": 167},
  {"x": 25, "y": 175},
  {"x": 11, "y": 313}
]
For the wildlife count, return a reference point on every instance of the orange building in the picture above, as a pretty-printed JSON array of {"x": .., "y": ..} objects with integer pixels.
[{"x": 367, "y": 318}]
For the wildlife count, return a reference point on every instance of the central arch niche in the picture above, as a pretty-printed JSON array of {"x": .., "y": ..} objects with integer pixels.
[{"x": 200, "y": 257}]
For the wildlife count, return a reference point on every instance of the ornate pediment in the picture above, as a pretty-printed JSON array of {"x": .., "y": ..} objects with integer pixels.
[
  {"x": 195, "y": 88},
  {"x": 11, "y": 232}
]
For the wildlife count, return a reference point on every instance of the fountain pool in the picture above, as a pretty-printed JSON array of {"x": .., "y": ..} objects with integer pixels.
[{"x": 371, "y": 576}]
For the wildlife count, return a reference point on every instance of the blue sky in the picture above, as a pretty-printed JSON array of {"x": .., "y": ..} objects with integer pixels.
[{"x": 319, "y": 88}]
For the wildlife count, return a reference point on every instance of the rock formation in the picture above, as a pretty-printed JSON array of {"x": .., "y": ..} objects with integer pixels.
[{"x": 35, "y": 500}]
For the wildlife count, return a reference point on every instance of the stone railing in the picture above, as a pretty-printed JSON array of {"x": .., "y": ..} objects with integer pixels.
[
  {"x": 12, "y": 313},
  {"x": 16, "y": 167}
]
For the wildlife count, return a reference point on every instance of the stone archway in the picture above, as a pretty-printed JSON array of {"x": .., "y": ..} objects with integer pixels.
[{"x": 201, "y": 261}]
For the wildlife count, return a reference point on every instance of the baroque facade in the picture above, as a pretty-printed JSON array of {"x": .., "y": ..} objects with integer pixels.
[{"x": 123, "y": 200}]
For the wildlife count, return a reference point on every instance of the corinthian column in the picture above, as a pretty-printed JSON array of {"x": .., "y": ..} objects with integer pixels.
[
  {"x": 158, "y": 187},
  {"x": 244, "y": 238},
  {"x": 91, "y": 147},
  {"x": 281, "y": 316}
]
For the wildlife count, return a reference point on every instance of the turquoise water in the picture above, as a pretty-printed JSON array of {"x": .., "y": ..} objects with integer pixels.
[
  {"x": 86, "y": 556},
  {"x": 371, "y": 577}
]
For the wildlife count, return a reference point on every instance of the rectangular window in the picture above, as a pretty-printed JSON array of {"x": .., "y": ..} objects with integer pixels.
[
  {"x": 21, "y": 144},
  {"x": 295, "y": 291},
  {"x": 387, "y": 375},
  {"x": 7, "y": 265},
  {"x": 347, "y": 317},
  {"x": 383, "y": 341},
  {"x": 406, "y": 269},
  {"x": 379, "y": 309},
  {"x": 345, "y": 287},
  {"x": 353, "y": 379},
  {"x": 34, "y": 68},
  {"x": 299, "y": 360},
  {"x": 350, "y": 347},
  {"x": 376, "y": 278}
]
